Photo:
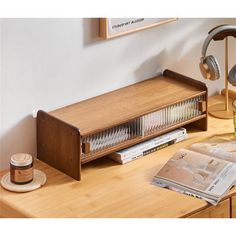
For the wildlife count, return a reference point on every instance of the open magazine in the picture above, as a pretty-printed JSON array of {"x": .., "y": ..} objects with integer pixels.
[{"x": 206, "y": 170}]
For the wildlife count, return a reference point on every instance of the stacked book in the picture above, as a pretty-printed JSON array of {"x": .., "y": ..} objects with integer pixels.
[{"x": 147, "y": 147}]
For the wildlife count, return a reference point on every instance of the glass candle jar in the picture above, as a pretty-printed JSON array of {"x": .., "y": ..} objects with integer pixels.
[
  {"x": 234, "y": 116},
  {"x": 21, "y": 168}
]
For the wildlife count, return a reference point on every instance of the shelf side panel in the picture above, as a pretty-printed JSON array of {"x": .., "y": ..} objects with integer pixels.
[{"x": 58, "y": 144}]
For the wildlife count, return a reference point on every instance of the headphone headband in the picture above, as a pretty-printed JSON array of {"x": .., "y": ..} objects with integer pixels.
[{"x": 214, "y": 33}]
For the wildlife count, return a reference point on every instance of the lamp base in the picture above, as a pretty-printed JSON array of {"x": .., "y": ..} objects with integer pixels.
[{"x": 218, "y": 110}]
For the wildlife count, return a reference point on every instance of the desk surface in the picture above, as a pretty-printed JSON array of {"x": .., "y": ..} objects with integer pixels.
[{"x": 109, "y": 189}]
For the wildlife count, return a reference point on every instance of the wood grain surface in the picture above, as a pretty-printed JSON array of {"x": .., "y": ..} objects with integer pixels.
[
  {"x": 222, "y": 210},
  {"x": 233, "y": 207},
  {"x": 109, "y": 189},
  {"x": 119, "y": 106}
]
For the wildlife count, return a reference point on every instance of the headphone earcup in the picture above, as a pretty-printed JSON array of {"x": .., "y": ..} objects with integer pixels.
[
  {"x": 232, "y": 76},
  {"x": 213, "y": 67},
  {"x": 210, "y": 68},
  {"x": 204, "y": 70}
]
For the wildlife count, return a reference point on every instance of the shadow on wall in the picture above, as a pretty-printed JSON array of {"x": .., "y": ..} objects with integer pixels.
[
  {"x": 178, "y": 56},
  {"x": 91, "y": 31},
  {"x": 183, "y": 56},
  {"x": 150, "y": 67},
  {"x": 20, "y": 138}
]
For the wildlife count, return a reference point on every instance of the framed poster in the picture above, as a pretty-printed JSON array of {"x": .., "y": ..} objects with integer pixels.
[{"x": 114, "y": 27}]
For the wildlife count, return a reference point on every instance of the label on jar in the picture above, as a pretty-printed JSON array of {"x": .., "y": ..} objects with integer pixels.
[{"x": 23, "y": 175}]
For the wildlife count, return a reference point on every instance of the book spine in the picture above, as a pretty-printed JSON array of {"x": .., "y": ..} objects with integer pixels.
[
  {"x": 148, "y": 151},
  {"x": 154, "y": 149},
  {"x": 154, "y": 143},
  {"x": 126, "y": 160}
]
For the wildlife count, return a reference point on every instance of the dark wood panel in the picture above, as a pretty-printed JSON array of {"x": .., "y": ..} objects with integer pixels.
[
  {"x": 58, "y": 144},
  {"x": 59, "y": 132}
]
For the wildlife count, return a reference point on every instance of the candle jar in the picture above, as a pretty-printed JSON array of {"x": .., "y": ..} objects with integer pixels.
[
  {"x": 234, "y": 116},
  {"x": 21, "y": 168}
]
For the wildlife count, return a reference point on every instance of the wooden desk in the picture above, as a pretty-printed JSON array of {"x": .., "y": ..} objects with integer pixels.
[{"x": 109, "y": 189}]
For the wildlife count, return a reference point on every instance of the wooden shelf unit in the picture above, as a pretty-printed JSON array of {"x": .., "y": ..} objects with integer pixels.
[{"x": 62, "y": 133}]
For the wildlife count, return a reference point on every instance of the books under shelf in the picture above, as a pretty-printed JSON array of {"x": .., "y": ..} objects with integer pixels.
[
  {"x": 142, "y": 149},
  {"x": 73, "y": 135}
]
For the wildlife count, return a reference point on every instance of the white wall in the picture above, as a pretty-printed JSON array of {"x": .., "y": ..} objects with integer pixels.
[{"x": 48, "y": 63}]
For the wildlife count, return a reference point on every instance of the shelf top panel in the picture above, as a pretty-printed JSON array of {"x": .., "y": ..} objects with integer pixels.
[{"x": 119, "y": 106}]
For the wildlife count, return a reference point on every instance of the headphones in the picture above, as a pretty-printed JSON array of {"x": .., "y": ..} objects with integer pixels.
[{"x": 209, "y": 66}]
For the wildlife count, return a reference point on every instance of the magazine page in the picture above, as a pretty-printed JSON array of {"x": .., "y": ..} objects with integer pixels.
[
  {"x": 199, "y": 172},
  {"x": 218, "y": 147}
]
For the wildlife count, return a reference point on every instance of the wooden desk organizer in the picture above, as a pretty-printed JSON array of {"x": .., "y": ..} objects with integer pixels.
[{"x": 73, "y": 135}]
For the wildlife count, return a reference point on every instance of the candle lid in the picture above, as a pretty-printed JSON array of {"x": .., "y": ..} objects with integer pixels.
[{"x": 21, "y": 159}]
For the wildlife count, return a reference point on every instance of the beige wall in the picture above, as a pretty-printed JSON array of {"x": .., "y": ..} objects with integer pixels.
[{"x": 48, "y": 63}]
